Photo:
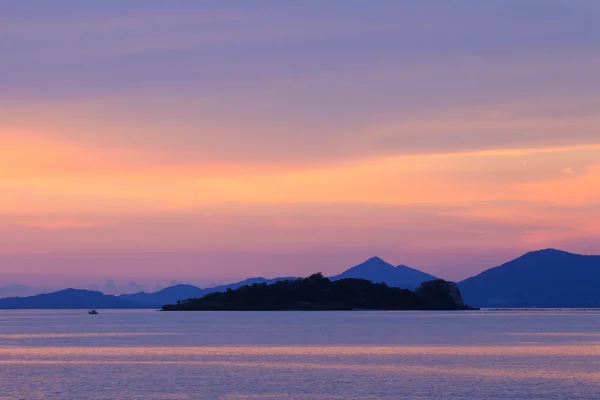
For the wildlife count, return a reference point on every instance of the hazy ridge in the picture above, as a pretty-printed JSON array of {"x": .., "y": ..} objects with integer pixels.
[{"x": 546, "y": 278}]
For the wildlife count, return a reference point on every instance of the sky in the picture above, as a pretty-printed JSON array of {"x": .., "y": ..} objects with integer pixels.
[{"x": 216, "y": 140}]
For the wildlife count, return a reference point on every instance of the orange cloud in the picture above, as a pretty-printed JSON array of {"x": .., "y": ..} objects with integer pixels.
[
  {"x": 583, "y": 189},
  {"x": 40, "y": 176}
]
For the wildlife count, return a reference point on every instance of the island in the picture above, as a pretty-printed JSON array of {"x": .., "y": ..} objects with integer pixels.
[{"x": 318, "y": 293}]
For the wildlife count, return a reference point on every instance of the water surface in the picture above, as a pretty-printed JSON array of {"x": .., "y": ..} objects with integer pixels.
[{"x": 300, "y": 355}]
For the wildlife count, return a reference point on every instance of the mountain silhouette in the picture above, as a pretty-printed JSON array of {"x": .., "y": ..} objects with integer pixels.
[
  {"x": 377, "y": 270},
  {"x": 374, "y": 269},
  {"x": 165, "y": 296},
  {"x": 68, "y": 299},
  {"x": 237, "y": 285},
  {"x": 172, "y": 294},
  {"x": 546, "y": 278}
]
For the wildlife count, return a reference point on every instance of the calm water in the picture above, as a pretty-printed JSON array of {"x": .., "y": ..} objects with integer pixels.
[{"x": 299, "y": 355}]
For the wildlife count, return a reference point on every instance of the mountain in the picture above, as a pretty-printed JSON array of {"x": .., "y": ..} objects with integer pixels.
[
  {"x": 546, "y": 278},
  {"x": 376, "y": 270},
  {"x": 317, "y": 293},
  {"x": 165, "y": 296},
  {"x": 172, "y": 294},
  {"x": 237, "y": 285},
  {"x": 68, "y": 299}
]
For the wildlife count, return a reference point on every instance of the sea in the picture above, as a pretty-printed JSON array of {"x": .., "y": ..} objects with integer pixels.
[{"x": 488, "y": 354}]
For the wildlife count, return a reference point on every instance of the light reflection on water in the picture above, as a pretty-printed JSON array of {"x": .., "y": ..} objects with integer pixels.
[
  {"x": 520, "y": 373},
  {"x": 149, "y": 355},
  {"x": 580, "y": 350}
]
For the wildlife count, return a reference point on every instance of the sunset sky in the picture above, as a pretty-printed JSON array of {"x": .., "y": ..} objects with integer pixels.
[{"x": 213, "y": 141}]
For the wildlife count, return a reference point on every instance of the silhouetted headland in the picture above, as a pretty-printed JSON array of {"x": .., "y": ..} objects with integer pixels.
[
  {"x": 547, "y": 278},
  {"x": 69, "y": 299},
  {"x": 319, "y": 293}
]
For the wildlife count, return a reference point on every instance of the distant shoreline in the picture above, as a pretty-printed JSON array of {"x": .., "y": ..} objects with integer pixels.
[{"x": 540, "y": 309}]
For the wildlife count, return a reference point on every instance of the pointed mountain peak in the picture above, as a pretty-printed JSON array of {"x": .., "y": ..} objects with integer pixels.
[
  {"x": 376, "y": 269},
  {"x": 373, "y": 263},
  {"x": 376, "y": 260}
]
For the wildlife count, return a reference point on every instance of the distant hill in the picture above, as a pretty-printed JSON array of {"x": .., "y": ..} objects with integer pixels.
[
  {"x": 545, "y": 278},
  {"x": 68, "y": 299},
  {"x": 319, "y": 293},
  {"x": 174, "y": 293},
  {"x": 239, "y": 284},
  {"x": 376, "y": 270},
  {"x": 165, "y": 296}
]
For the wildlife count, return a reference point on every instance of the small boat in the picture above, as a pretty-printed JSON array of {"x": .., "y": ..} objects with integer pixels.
[{"x": 93, "y": 312}]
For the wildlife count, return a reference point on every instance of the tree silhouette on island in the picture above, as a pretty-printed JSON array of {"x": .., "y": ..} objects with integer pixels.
[{"x": 319, "y": 293}]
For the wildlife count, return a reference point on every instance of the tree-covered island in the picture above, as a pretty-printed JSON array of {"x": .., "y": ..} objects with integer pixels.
[{"x": 319, "y": 293}]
